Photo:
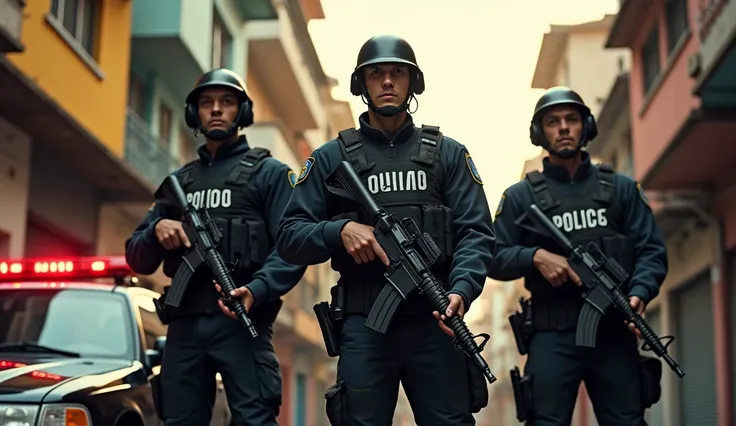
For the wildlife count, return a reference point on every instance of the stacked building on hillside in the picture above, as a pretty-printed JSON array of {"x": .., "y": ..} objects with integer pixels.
[{"x": 92, "y": 120}]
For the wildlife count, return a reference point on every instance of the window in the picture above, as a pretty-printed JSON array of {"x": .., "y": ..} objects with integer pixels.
[
  {"x": 650, "y": 59},
  {"x": 137, "y": 96},
  {"x": 164, "y": 125},
  {"x": 187, "y": 148},
  {"x": 79, "y": 18},
  {"x": 300, "y": 407},
  {"x": 677, "y": 22},
  {"x": 221, "y": 43}
]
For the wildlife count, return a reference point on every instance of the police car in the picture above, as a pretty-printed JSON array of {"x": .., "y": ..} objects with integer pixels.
[{"x": 75, "y": 350}]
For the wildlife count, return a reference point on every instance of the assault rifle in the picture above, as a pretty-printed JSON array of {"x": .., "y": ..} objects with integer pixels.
[
  {"x": 411, "y": 253},
  {"x": 204, "y": 236},
  {"x": 602, "y": 278}
]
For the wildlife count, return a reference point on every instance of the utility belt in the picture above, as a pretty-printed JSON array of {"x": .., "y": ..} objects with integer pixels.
[
  {"x": 357, "y": 298},
  {"x": 360, "y": 296},
  {"x": 264, "y": 314}
]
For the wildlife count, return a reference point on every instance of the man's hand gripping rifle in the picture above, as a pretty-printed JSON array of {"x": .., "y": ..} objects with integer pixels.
[
  {"x": 602, "y": 278},
  {"x": 204, "y": 235},
  {"x": 411, "y": 254}
]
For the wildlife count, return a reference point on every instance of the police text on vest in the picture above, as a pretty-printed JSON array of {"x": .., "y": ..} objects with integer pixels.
[
  {"x": 210, "y": 198},
  {"x": 397, "y": 181},
  {"x": 581, "y": 219}
]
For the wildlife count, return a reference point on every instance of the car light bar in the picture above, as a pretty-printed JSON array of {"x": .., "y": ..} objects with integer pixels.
[{"x": 63, "y": 269}]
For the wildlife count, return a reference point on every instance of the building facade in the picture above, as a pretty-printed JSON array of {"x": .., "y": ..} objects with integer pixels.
[
  {"x": 61, "y": 126},
  {"x": 94, "y": 122},
  {"x": 682, "y": 123}
]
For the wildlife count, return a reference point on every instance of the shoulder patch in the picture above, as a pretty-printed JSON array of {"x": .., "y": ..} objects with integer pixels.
[
  {"x": 473, "y": 170},
  {"x": 499, "y": 209},
  {"x": 643, "y": 196},
  {"x": 305, "y": 171},
  {"x": 151, "y": 207},
  {"x": 292, "y": 178}
]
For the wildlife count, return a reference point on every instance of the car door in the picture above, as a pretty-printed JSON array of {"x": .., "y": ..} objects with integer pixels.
[{"x": 153, "y": 328}]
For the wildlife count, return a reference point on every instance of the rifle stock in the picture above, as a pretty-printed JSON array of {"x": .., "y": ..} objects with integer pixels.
[
  {"x": 204, "y": 236},
  {"x": 602, "y": 278},
  {"x": 411, "y": 254}
]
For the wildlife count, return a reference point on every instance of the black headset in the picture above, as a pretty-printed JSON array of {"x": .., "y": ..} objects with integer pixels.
[
  {"x": 590, "y": 129},
  {"x": 244, "y": 118}
]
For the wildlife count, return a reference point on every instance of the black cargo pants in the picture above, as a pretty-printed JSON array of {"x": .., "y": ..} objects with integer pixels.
[
  {"x": 414, "y": 352},
  {"x": 610, "y": 372},
  {"x": 198, "y": 347}
]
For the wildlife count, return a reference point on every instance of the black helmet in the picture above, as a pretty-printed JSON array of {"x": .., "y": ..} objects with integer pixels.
[
  {"x": 560, "y": 95},
  {"x": 220, "y": 77},
  {"x": 384, "y": 49}
]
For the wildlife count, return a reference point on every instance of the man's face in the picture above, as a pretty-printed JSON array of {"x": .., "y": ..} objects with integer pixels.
[
  {"x": 563, "y": 127},
  {"x": 387, "y": 84},
  {"x": 217, "y": 108}
]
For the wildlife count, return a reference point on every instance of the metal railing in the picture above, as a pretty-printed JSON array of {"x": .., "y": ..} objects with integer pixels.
[{"x": 144, "y": 152}]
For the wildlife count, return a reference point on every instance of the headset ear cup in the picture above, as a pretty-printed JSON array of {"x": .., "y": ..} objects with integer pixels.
[
  {"x": 245, "y": 114},
  {"x": 419, "y": 83},
  {"x": 591, "y": 129},
  {"x": 190, "y": 116},
  {"x": 355, "y": 85},
  {"x": 534, "y": 134}
]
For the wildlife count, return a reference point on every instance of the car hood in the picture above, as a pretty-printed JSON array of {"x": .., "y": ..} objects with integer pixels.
[{"x": 34, "y": 379}]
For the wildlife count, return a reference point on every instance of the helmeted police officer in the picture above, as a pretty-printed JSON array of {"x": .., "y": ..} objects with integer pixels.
[
  {"x": 245, "y": 190},
  {"x": 417, "y": 173},
  {"x": 588, "y": 203}
]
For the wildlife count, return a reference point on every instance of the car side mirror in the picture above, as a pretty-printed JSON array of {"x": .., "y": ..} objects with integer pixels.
[{"x": 155, "y": 356}]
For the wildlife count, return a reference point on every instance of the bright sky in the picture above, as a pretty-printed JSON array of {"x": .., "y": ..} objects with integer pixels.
[{"x": 478, "y": 58}]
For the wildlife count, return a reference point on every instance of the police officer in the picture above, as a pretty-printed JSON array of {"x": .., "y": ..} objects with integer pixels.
[
  {"x": 417, "y": 173},
  {"x": 588, "y": 203},
  {"x": 245, "y": 190}
]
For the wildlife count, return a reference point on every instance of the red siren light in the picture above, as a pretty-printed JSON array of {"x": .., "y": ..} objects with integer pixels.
[{"x": 64, "y": 269}]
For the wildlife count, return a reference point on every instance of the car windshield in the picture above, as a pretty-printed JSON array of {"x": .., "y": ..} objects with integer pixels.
[{"x": 90, "y": 323}]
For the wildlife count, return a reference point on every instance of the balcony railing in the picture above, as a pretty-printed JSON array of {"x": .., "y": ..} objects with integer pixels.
[{"x": 144, "y": 152}]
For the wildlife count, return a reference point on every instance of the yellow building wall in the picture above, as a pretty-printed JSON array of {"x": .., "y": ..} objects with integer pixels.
[{"x": 97, "y": 104}]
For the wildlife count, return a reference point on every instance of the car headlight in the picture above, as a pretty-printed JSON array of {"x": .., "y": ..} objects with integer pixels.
[
  {"x": 50, "y": 415},
  {"x": 18, "y": 415},
  {"x": 64, "y": 415}
]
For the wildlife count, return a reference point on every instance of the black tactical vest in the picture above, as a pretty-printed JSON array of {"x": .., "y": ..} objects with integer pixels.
[
  {"x": 409, "y": 187},
  {"x": 582, "y": 219},
  {"x": 233, "y": 206}
]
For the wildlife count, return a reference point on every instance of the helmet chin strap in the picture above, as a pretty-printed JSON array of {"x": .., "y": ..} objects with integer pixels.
[
  {"x": 388, "y": 110},
  {"x": 566, "y": 153},
  {"x": 219, "y": 135}
]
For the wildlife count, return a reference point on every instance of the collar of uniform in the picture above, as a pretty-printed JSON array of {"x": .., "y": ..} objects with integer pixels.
[
  {"x": 560, "y": 173},
  {"x": 226, "y": 150},
  {"x": 405, "y": 132}
]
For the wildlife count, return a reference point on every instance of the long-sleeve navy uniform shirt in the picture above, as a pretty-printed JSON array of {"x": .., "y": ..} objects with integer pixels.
[
  {"x": 307, "y": 236},
  {"x": 272, "y": 187},
  {"x": 513, "y": 260}
]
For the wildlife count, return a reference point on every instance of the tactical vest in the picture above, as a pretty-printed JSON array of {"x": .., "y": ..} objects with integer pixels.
[
  {"x": 233, "y": 206},
  {"x": 409, "y": 187},
  {"x": 582, "y": 219}
]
